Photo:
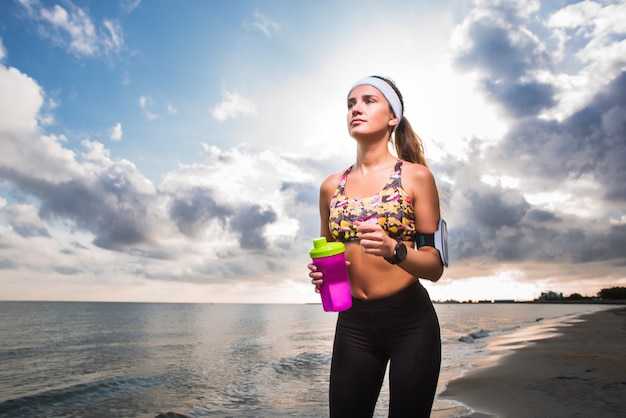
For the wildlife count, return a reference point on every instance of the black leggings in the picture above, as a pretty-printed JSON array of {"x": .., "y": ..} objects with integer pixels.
[{"x": 402, "y": 328}]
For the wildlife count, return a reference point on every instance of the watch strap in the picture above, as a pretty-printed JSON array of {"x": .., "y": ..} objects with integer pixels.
[{"x": 396, "y": 258}]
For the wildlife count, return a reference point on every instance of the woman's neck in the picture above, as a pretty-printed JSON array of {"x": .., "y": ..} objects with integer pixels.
[{"x": 373, "y": 156}]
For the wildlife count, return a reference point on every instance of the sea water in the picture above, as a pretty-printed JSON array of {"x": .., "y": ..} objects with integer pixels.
[{"x": 85, "y": 359}]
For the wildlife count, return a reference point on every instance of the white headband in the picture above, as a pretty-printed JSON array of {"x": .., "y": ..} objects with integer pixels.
[{"x": 387, "y": 91}]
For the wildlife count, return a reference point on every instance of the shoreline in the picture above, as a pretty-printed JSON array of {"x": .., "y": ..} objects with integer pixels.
[{"x": 579, "y": 372}]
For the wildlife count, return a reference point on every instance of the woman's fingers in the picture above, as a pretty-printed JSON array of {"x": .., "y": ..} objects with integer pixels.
[{"x": 316, "y": 277}]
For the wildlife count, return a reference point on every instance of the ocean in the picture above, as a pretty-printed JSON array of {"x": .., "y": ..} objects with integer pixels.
[{"x": 88, "y": 359}]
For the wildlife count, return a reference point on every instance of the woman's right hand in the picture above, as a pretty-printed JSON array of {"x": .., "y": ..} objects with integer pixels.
[{"x": 316, "y": 277}]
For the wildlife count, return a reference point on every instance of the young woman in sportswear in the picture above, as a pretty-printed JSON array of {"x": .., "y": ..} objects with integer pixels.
[{"x": 377, "y": 207}]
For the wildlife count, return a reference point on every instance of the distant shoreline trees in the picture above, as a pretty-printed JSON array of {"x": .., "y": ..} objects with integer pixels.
[
  {"x": 614, "y": 293},
  {"x": 610, "y": 294}
]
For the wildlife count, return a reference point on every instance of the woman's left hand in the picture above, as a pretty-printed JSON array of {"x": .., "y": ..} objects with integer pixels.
[{"x": 374, "y": 240}]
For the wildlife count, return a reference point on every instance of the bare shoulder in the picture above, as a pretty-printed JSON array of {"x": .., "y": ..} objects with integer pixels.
[
  {"x": 417, "y": 174},
  {"x": 419, "y": 182},
  {"x": 331, "y": 182},
  {"x": 328, "y": 187}
]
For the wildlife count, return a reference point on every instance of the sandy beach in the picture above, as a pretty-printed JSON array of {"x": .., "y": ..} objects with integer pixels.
[{"x": 579, "y": 372}]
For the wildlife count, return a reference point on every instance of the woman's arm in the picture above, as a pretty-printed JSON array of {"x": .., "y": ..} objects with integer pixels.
[{"x": 424, "y": 262}]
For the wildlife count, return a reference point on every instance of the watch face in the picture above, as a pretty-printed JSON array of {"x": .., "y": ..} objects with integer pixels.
[{"x": 400, "y": 251}]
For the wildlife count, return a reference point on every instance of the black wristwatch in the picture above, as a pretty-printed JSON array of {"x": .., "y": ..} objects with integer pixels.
[{"x": 399, "y": 253}]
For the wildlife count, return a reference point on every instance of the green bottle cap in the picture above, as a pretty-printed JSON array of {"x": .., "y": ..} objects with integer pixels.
[{"x": 323, "y": 248}]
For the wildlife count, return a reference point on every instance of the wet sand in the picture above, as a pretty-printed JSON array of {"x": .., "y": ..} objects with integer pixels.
[{"x": 580, "y": 372}]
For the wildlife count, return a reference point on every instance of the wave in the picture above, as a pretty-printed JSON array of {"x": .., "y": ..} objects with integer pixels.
[{"x": 65, "y": 400}]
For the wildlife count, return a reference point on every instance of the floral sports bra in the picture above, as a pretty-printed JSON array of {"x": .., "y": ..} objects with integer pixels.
[{"x": 391, "y": 208}]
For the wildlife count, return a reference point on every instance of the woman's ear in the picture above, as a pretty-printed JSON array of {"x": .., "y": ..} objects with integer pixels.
[{"x": 393, "y": 121}]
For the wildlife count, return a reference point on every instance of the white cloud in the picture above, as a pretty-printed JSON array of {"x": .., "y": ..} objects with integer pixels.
[
  {"x": 25, "y": 151},
  {"x": 72, "y": 28},
  {"x": 130, "y": 5},
  {"x": 25, "y": 220},
  {"x": 116, "y": 132},
  {"x": 77, "y": 25},
  {"x": 171, "y": 109},
  {"x": 20, "y": 101},
  {"x": 594, "y": 34},
  {"x": 264, "y": 24},
  {"x": 3, "y": 51},
  {"x": 144, "y": 104},
  {"x": 113, "y": 40},
  {"x": 233, "y": 106}
]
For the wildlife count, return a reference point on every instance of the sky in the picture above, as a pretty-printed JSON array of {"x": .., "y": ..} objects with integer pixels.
[{"x": 166, "y": 151}]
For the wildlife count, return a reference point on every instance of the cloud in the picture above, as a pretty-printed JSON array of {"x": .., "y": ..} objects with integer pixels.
[
  {"x": 509, "y": 58},
  {"x": 539, "y": 199},
  {"x": 263, "y": 24},
  {"x": 76, "y": 24},
  {"x": 567, "y": 161},
  {"x": 144, "y": 104},
  {"x": 113, "y": 41},
  {"x": 115, "y": 133},
  {"x": 130, "y": 5},
  {"x": 21, "y": 99},
  {"x": 3, "y": 51},
  {"x": 588, "y": 144},
  {"x": 234, "y": 105},
  {"x": 25, "y": 220},
  {"x": 590, "y": 36},
  {"x": 72, "y": 28},
  {"x": 200, "y": 224}
]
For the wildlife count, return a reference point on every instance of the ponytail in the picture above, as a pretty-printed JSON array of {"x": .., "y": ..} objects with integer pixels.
[{"x": 408, "y": 144}]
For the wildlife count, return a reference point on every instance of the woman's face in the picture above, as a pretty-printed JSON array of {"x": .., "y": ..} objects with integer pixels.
[{"x": 369, "y": 111}]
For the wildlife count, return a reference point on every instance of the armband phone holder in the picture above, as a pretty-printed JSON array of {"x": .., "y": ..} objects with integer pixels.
[{"x": 439, "y": 240}]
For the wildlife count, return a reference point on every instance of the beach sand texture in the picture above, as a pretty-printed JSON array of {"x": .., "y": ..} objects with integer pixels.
[{"x": 580, "y": 372}]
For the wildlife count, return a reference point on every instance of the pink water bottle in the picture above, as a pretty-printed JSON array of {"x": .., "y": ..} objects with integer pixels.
[{"x": 329, "y": 258}]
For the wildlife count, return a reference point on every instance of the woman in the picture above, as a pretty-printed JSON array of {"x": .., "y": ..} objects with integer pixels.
[{"x": 377, "y": 207}]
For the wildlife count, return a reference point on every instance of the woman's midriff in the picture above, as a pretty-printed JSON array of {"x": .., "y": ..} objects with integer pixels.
[{"x": 372, "y": 277}]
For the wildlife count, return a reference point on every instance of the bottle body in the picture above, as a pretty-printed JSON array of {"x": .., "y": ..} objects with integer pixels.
[
  {"x": 335, "y": 291},
  {"x": 330, "y": 260}
]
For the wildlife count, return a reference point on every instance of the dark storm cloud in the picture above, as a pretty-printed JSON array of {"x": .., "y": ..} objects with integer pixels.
[
  {"x": 506, "y": 57},
  {"x": 496, "y": 208},
  {"x": 67, "y": 271},
  {"x": 118, "y": 219},
  {"x": 197, "y": 209},
  {"x": 590, "y": 142},
  {"x": 26, "y": 230},
  {"x": 110, "y": 207},
  {"x": 492, "y": 223},
  {"x": 302, "y": 202},
  {"x": 547, "y": 156},
  {"x": 522, "y": 98},
  {"x": 248, "y": 221},
  {"x": 303, "y": 193},
  {"x": 192, "y": 212},
  {"x": 498, "y": 223},
  {"x": 6, "y": 264},
  {"x": 494, "y": 52},
  {"x": 23, "y": 225}
]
